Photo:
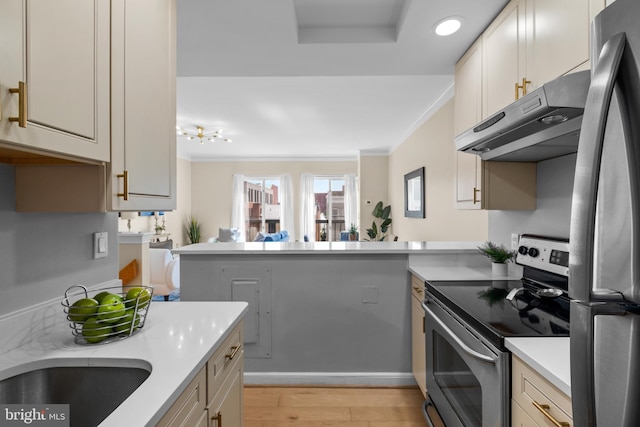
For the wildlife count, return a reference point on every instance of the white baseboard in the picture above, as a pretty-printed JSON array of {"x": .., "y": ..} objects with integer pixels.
[{"x": 382, "y": 379}]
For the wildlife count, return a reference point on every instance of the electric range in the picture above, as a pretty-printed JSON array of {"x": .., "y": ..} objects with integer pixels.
[
  {"x": 467, "y": 322},
  {"x": 484, "y": 304}
]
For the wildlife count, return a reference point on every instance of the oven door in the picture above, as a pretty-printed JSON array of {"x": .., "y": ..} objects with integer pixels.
[{"x": 467, "y": 378}]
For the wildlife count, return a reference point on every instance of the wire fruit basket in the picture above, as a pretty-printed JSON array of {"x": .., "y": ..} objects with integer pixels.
[{"x": 111, "y": 314}]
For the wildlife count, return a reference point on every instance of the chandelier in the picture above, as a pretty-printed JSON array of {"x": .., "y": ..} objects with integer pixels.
[{"x": 201, "y": 134}]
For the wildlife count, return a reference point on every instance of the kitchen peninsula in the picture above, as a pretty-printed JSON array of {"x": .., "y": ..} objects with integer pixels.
[{"x": 320, "y": 312}]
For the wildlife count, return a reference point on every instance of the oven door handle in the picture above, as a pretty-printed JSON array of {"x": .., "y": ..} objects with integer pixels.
[{"x": 471, "y": 352}]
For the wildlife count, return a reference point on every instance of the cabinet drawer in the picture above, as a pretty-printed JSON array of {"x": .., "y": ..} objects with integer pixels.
[
  {"x": 417, "y": 287},
  {"x": 189, "y": 408},
  {"x": 528, "y": 387},
  {"x": 222, "y": 360}
]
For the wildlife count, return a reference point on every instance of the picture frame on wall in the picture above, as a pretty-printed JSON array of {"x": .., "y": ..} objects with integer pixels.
[{"x": 414, "y": 194}]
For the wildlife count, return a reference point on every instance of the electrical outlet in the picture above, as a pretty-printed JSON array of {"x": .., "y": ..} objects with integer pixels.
[
  {"x": 100, "y": 245},
  {"x": 515, "y": 238}
]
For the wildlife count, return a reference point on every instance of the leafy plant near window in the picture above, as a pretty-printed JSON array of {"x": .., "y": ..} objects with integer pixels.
[
  {"x": 194, "y": 229},
  {"x": 381, "y": 223}
]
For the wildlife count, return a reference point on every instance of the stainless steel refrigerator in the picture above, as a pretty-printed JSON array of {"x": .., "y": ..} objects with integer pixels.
[{"x": 604, "y": 263}]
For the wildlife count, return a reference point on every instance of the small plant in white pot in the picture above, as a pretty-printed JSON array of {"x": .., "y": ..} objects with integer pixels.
[{"x": 499, "y": 256}]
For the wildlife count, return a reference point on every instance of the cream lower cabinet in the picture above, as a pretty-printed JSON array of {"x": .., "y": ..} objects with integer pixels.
[
  {"x": 54, "y": 79},
  {"x": 418, "y": 349},
  {"x": 214, "y": 397},
  {"x": 535, "y": 401}
]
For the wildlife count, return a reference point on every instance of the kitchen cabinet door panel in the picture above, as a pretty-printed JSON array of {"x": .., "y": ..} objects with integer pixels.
[
  {"x": 62, "y": 91},
  {"x": 504, "y": 58},
  {"x": 468, "y": 89},
  {"x": 143, "y": 104},
  {"x": 468, "y": 182},
  {"x": 558, "y": 37},
  {"x": 60, "y": 52}
]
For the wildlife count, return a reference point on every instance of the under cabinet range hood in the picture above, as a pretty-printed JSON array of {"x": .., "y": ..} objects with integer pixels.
[{"x": 541, "y": 125}]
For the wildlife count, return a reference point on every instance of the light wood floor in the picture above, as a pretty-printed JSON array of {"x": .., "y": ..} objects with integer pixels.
[{"x": 332, "y": 407}]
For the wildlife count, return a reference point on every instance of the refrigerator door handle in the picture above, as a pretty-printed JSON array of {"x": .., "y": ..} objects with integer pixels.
[
  {"x": 582, "y": 347},
  {"x": 583, "y": 208}
]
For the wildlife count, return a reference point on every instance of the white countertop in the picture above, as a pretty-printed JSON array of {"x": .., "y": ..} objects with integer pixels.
[
  {"x": 548, "y": 356},
  {"x": 177, "y": 340},
  {"x": 329, "y": 248},
  {"x": 459, "y": 273}
]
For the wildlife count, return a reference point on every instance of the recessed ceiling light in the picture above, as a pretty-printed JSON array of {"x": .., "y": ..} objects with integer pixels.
[{"x": 448, "y": 26}]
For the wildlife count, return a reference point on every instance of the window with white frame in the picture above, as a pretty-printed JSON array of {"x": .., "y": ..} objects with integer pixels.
[
  {"x": 263, "y": 206},
  {"x": 330, "y": 206}
]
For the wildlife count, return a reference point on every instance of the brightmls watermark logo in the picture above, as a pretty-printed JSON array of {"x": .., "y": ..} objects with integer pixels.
[{"x": 34, "y": 415}]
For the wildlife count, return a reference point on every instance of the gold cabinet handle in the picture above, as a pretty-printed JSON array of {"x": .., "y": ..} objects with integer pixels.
[
  {"x": 525, "y": 82},
  {"x": 125, "y": 186},
  {"x": 417, "y": 289},
  {"x": 217, "y": 417},
  {"x": 475, "y": 195},
  {"x": 523, "y": 86},
  {"x": 21, "y": 90},
  {"x": 545, "y": 411},
  {"x": 234, "y": 350}
]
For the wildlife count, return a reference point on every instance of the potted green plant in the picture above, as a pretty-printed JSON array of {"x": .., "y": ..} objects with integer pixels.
[
  {"x": 499, "y": 256},
  {"x": 353, "y": 232},
  {"x": 381, "y": 223},
  {"x": 194, "y": 229}
]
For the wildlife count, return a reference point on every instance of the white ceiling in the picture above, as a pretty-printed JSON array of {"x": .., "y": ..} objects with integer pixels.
[{"x": 315, "y": 78}]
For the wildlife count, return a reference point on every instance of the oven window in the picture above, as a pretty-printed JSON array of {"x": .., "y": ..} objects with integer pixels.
[{"x": 457, "y": 382}]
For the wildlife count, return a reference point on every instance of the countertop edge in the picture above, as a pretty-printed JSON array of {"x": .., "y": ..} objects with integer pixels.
[{"x": 360, "y": 248}]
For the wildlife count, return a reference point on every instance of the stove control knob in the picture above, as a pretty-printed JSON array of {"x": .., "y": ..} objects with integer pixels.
[
  {"x": 523, "y": 250},
  {"x": 533, "y": 252}
]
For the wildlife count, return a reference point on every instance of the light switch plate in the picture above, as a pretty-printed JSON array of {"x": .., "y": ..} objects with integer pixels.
[
  {"x": 100, "y": 245},
  {"x": 515, "y": 238}
]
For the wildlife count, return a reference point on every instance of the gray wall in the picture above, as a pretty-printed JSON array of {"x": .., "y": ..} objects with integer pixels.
[
  {"x": 41, "y": 254},
  {"x": 553, "y": 213},
  {"x": 319, "y": 320}
]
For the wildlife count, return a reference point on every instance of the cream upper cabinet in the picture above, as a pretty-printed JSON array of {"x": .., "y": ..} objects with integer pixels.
[
  {"x": 54, "y": 77},
  {"x": 558, "y": 37},
  {"x": 467, "y": 113},
  {"x": 485, "y": 185},
  {"x": 143, "y": 105},
  {"x": 532, "y": 42},
  {"x": 504, "y": 57}
]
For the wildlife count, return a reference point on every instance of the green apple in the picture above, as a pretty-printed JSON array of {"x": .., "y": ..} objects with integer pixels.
[
  {"x": 142, "y": 295},
  {"x": 93, "y": 331},
  {"x": 98, "y": 297},
  {"x": 111, "y": 309},
  {"x": 124, "y": 324},
  {"x": 82, "y": 309}
]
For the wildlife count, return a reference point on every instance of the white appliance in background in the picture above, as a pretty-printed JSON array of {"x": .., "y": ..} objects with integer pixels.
[{"x": 604, "y": 262}]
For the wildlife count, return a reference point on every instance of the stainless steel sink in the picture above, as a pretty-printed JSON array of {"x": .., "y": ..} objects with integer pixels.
[{"x": 92, "y": 392}]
